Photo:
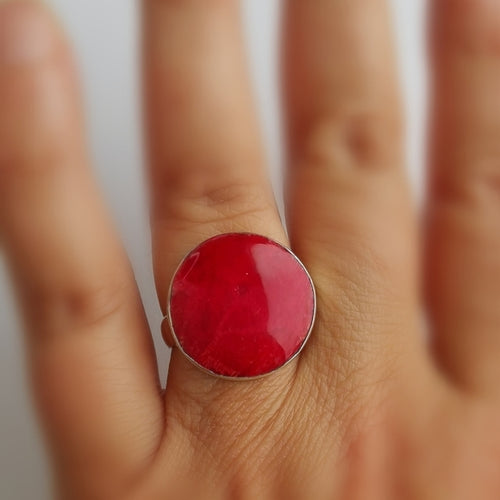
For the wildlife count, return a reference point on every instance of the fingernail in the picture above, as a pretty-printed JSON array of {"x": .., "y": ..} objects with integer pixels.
[{"x": 27, "y": 32}]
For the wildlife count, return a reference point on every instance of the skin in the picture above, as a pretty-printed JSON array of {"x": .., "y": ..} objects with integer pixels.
[{"x": 374, "y": 408}]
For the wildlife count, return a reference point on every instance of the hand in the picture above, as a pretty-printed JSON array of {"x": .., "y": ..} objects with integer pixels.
[{"x": 368, "y": 411}]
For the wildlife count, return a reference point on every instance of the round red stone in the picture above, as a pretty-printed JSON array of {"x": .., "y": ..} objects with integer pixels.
[{"x": 241, "y": 305}]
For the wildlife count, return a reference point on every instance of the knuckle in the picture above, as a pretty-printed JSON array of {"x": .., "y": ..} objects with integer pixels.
[
  {"x": 366, "y": 139},
  {"x": 76, "y": 304},
  {"x": 471, "y": 188},
  {"x": 212, "y": 195}
]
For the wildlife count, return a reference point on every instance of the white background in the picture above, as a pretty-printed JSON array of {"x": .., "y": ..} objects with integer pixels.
[{"x": 105, "y": 35}]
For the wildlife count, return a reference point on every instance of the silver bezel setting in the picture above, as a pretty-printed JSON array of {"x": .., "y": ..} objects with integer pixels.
[{"x": 177, "y": 344}]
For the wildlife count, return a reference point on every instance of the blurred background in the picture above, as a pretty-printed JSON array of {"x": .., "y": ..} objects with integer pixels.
[{"x": 105, "y": 35}]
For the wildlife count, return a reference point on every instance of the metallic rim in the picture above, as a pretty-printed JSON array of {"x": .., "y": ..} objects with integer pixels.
[{"x": 177, "y": 344}]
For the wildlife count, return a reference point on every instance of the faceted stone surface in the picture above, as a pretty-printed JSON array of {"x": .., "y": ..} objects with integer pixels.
[{"x": 241, "y": 305}]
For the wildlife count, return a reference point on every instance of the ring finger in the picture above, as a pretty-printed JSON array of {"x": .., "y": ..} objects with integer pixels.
[{"x": 207, "y": 165}]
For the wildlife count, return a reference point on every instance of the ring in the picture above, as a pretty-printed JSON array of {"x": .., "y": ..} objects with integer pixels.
[{"x": 241, "y": 306}]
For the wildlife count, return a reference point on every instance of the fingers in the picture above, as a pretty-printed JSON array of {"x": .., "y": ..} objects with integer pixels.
[
  {"x": 88, "y": 344},
  {"x": 463, "y": 265},
  {"x": 349, "y": 212},
  {"x": 207, "y": 166}
]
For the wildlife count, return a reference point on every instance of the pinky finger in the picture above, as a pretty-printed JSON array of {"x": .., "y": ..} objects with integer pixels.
[{"x": 89, "y": 349}]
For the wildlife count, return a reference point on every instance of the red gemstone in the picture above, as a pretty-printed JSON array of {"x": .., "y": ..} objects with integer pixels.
[{"x": 241, "y": 305}]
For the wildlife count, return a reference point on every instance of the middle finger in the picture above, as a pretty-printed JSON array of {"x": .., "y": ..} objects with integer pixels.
[{"x": 350, "y": 217}]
